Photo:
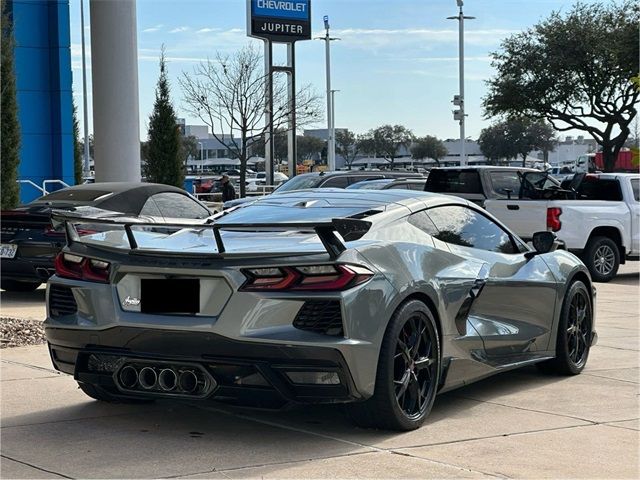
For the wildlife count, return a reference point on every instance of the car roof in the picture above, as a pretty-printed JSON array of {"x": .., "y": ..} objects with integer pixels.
[
  {"x": 324, "y": 204},
  {"x": 125, "y": 197},
  {"x": 486, "y": 167}
]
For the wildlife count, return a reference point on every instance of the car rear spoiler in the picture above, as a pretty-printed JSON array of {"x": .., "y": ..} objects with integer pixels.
[{"x": 348, "y": 228}]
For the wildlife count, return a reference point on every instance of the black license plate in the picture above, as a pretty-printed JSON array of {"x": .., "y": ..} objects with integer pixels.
[{"x": 170, "y": 295}]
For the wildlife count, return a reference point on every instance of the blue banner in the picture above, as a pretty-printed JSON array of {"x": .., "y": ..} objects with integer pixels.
[{"x": 290, "y": 9}]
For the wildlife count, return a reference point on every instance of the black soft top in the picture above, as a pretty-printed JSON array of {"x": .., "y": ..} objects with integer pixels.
[{"x": 125, "y": 197}]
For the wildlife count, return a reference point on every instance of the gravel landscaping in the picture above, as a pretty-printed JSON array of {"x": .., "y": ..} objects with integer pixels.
[{"x": 15, "y": 332}]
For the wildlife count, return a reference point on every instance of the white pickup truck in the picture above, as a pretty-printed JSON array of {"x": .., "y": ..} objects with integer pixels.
[{"x": 601, "y": 224}]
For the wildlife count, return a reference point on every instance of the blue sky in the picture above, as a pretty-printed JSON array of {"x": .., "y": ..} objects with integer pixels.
[{"x": 396, "y": 61}]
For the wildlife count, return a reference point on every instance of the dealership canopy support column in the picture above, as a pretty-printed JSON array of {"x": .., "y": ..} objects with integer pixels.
[{"x": 114, "y": 68}]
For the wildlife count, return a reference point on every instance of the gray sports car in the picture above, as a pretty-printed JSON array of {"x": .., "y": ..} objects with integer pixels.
[{"x": 377, "y": 299}]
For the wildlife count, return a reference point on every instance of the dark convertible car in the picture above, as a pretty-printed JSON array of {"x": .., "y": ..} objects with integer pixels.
[{"x": 29, "y": 243}]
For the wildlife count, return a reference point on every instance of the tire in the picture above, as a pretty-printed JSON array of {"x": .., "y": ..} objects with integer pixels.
[
  {"x": 573, "y": 341},
  {"x": 18, "y": 286},
  {"x": 602, "y": 258},
  {"x": 408, "y": 372},
  {"x": 98, "y": 393}
]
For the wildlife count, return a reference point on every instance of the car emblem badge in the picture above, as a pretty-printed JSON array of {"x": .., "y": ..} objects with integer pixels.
[{"x": 130, "y": 301}]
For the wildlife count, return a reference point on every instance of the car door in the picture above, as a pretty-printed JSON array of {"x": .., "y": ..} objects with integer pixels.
[{"x": 513, "y": 304}]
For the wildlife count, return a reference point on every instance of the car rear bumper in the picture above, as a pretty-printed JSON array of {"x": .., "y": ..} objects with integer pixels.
[
  {"x": 27, "y": 269},
  {"x": 242, "y": 372}
]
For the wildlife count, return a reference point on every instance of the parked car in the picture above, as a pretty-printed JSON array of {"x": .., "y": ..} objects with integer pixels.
[
  {"x": 29, "y": 243},
  {"x": 418, "y": 294},
  {"x": 390, "y": 183},
  {"x": 335, "y": 179},
  {"x": 478, "y": 183},
  {"x": 600, "y": 223}
]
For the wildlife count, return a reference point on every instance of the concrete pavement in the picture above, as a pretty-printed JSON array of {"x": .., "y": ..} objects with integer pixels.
[{"x": 520, "y": 424}]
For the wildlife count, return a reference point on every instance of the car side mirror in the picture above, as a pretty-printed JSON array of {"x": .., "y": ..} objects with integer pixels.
[{"x": 543, "y": 242}]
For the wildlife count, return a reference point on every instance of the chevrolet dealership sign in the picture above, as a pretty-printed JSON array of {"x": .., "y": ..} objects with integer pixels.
[{"x": 279, "y": 20}]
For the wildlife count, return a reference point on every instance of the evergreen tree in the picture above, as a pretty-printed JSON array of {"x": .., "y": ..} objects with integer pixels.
[
  {"x": 77, "y": 148},
  {"x": 9, "y": 126},
  {"x": 163, "y": 163}
]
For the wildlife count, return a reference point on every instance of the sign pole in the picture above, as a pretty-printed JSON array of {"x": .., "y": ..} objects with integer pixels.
[
  {"x": 268, "y": 136},
  {"x": 291, "y": 90}
]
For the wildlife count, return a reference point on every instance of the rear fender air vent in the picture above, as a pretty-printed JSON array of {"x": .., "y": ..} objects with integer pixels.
[
  {"x": 320, "y": 316},
  {"x": 61, "y": 301}
]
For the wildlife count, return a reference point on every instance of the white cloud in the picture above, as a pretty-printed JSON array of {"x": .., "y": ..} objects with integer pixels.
[
  {"x": 208, "y": 30},
  {"x": 179, "y": 29},
  {"x": 153, "y": 29},
  {"x": 371, "y": 39}
]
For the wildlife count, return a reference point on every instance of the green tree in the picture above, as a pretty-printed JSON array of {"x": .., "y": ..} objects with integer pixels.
[
  {"x": 347, "y": 146},
  {"x": 188, "y": 148},
  {"x": 308, "y": 147},
  {"x": 77, "y": 148},
  {"x": 515, "y": 137},
  {"x": 9, "y": 126},
  {"x": 428, "y": 147},
  {"x": 386, "y": 141},
  {"x": 575, "y": 71},
  {"x": 162, "y": 154}
]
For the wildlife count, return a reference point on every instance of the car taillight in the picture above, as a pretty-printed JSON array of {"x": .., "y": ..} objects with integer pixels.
[
  {"x": 553, "y": 218},
  {"x": 81, "y": 268},
  {"x": 307, "y": 278},
  {"x": 49, "y": 231}
]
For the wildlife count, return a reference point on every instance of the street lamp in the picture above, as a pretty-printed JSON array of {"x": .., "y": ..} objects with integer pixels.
[
  {"x": 331, "y": 141},
  {"x": 458, "y": 100}
]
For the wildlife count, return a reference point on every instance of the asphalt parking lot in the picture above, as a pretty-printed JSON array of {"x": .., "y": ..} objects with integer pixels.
[{"x": 521, "y": 424}]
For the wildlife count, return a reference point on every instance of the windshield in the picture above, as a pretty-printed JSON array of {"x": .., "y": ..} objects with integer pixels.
[
  {"x": 298, "y": 183},
  {"x": 371, "y": 185}
]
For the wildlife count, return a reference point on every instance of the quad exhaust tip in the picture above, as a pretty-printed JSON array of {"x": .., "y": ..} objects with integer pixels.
[
  {"x": 167, "y": 379},
  {"x": 148, "y": 378},
  {"x": 128, "y": 376},
  {"x": 188, "y": 380}
]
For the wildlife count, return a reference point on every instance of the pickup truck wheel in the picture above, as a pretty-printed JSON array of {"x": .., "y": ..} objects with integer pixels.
[{"x": 602, "y": 258}]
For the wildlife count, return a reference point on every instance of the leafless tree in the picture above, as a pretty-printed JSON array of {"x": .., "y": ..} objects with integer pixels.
[{"x": 228, "y": 95}]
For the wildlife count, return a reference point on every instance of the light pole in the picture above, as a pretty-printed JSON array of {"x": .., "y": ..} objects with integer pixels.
[
  {"x": 201, "y": 158},
  {"x": 331, "y": 141},
  {"x": 459, "y": 99},
  {"x": 332, "y": 127},
  {"x": 86, "y": 167}
]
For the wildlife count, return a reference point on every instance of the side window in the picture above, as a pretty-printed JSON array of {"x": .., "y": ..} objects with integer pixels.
[
  {"x": 635, "y": 186},
  {"x": 339, "y": 181},
  {"x": 150, "y": 208},
  {"x": 176, "y": 205},
  {"x": 501, "y": 181},
  {"x": 465, "y": 227},
  {"x": 422, "y": 221}
]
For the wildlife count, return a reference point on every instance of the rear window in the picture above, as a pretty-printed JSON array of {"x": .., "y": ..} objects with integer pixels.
[
  {"x": 74, "y": 195},
  {"x": 595, "y": 188},
  {"x": 299, "y": 183},
  {"x": 454, "y": 181}
]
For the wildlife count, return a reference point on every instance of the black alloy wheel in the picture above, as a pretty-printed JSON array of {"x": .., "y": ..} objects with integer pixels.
[
  {"x": 414, "y": 367},
  {"x": 578, "y": 337},
  {"x": 574, "y": 337},
  {"x": 408, "y": 372}
]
